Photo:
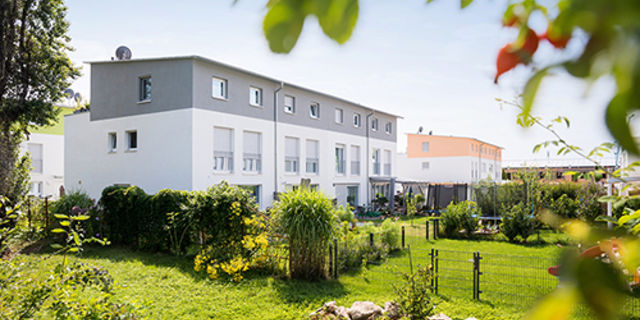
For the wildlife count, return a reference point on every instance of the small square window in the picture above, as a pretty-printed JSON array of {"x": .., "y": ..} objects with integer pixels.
[
  {"x": 357, "y": 120},
  {"x": 289, "y": 104},
  {"x": 374, "y": 124},
  {"x": 255, "y": 96},
  {"x": 425, "y": 147},
  {"x": 145, "y": 89},
  {"x": 218, "y": 88},
  {"x": 339, "y": 115},
  {"x": 132, "y": 140},
  {"x": 387, "y": 127},
  {"x": 425, "y": 165},
  {"x": 314, "y": 110},
  {"x": 113, "y": 142}
]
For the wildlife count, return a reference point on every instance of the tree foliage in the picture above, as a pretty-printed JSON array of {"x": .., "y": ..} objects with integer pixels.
[{"x": 34, "y": 71}]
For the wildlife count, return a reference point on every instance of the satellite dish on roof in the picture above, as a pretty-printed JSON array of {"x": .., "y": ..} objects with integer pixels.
[
  {"x": 77, "y": 97},
  {"x": 123, "y": 53},
  {"x": 420, "y": 129},
  {"x": 68, "y": 93}
]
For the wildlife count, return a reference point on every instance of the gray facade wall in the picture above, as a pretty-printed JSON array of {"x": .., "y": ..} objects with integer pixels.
[
  {"x": 186, "y": 82},
  {"x": 115, "y": 87}
]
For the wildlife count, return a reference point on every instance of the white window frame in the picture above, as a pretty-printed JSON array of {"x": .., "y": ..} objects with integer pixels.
[
  {"x": 112, "y": 142},
  {"x": 312, "y": 163},
  {"x": 37, "y": 165},
  {"x": 289, "y": 109},
  {"x": 128, "y": 136},
  {"x": 355, "y": 160},
  {"x": 252, "y": 162},
  {"x": 252, "y": 94},
  {"x": 317, "y": 108},
  {"x": 293, "y": 160},
  {"x": 339, "y": 115},
  {"x": 387, "y": 127},
  {"x": 357, "y": 120},
  {"x": 227, "y": 159},
  {"x": 375, "y": 159},
  {"x": 215, "y": 82},
  {"x": 341, "y": 163}
]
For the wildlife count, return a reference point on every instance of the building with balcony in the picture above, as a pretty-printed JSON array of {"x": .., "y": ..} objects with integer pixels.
[{"x": 189, "y": 122}]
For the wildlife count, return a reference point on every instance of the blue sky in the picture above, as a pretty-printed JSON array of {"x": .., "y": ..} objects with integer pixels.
[{"x": 433, "y": 64}]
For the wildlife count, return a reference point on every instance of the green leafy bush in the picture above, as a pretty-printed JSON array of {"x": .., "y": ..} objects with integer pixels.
[
  {"x": 517, "y": 221},
  {"x": 565, "y": 207},
  {"x": 460, "y": 218},
  {"x": 390, "y": 235},
  {"x": 121, "y": 214},
  {"x": 77, "y": 198},
  {"x": 306, "y": 218},
  {"x": 413, "y": 295},
  {"x": 344, "y": 214},
  {"x": 166, "y": 222}
]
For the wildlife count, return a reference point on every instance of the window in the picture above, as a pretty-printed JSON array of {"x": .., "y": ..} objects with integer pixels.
[
  {"x": 425, "y": 165},
  {"x": 484, "y": 167},
  {"x": 357, "y": 120},
  {"x": 387, "y": 127},
  {"x": 352, "y": 196},
  {"x": 132, "y": 140},
  {"x": 289, "y": 104},
  {"x": 222, "y": 149},
  {"x": 376, "y": 161},
  {"x": 255, "y": 96},
  {"x": 291, "y": 155},
  {"x": 339, "y": 113},
  {"x": 374, "y": 124},
  {"x": 35, "y": 149},
  {"x": 254, "y": 191},
  {"x": 145, "y": 89},
  {"x": 314, "y": 110},
  {"x": 355, "y": 160},
  {"x": 36, "y": 188},
  {"x": 425, "y": 147},
  {"x": 387, "y": 162},
  {"x": 252, "y": 152},
  {"x": 218, "y": 88},
  {"x": 340, "y": 160},
  {"x": 112, "y": 142},
  {"x": 313, "y": 161}
]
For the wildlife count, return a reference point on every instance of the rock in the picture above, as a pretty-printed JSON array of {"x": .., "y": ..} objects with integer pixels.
[
  {"x": 439, "y": 316},
  {"x": 364, "y": 310},
  {"x": 330, "y": 310},
  {"x": 392, "y": 310}
]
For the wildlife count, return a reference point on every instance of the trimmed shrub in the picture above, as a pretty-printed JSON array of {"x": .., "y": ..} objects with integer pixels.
[
  {"x": 517, "y": 221},
  {"x": 306, "y": 218},
  {"x": 460, "y": 217},
  {"x": 167, "y": 213},
  {"x": 122, "y": 208}
]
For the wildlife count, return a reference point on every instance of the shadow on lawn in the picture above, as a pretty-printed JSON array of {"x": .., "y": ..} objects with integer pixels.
[{"x": 309, "y": 292}]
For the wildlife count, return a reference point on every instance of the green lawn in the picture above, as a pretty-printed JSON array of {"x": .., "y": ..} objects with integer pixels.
[{"x": 170, "y": 289}]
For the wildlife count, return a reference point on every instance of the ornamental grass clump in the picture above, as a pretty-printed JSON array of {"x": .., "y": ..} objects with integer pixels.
[{"x": 306, "y": 218}]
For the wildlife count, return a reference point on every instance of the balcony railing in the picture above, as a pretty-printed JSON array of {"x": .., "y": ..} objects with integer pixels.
[
  {"x": 252, "y": 162},
  {"x": 291, "y": 164},
  {"x": 223, "y": 160}
]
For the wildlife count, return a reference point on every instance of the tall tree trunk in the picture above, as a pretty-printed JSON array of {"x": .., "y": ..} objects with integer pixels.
[{"x": 7, "y": 160}]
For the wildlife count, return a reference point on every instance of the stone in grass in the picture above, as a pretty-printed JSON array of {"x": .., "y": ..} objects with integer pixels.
[
  {"x": 364, "y": 310},
  {"x": 392, "y": 310},
  {"x": 439, "y": 316},
  {"x": 330, "y": 310}
]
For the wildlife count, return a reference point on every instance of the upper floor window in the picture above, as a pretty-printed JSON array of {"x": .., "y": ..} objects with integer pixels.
[
  {"x": 376, "y": 161},
  {"x": 314, "y": 110},
  {"x": 425, "y": 147},
  {"x": 374, "y": 124},
  {"x": 339, "y": 115},
  {"x": 252, "y": 152},
  {"x": 387, "y": 162},
  {"x": 145, "y": 89},
  {"x": 357, "y": 120},
  {"x": 132, "y": 140},
  {"x": 222, "y": 149},
  {"x": 255, "y": 96},
  {"x": 112, "y": 142},
  {"x": 35, "y": 149},
  {"x": 289, "y": 104},
  {"x": 218, "y": 88},
  {"x": 341, "y": 163},
  {"x": 387, "y": 127},
  {"x": 355, "y": 160}
]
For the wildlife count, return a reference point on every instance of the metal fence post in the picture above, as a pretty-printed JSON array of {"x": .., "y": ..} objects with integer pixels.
[
  {"x": 335, "y": 258},
  {"x": 433, "y": 274},
  {"x": 46, "y": 214},
  {"x": 330, "y": 260},
  {"x": 402, "y": 237},
  {"x": 436, "y": 228},
  {"x": 426, "y": 232},
  {"x": 476, "y": 275},
  {"x": 410, "y": 260},
  {"x": 371, "y": 239},
  {"x": 436, "y": 271}
]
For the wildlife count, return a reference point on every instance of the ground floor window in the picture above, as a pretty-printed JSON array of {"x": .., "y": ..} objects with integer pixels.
[
  {"x": 254, "y": 190},
  {"x": 352, "y": 196}
]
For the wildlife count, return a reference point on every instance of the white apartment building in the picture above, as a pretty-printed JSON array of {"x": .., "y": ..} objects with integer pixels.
[{"x": 189, "y": 122}]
